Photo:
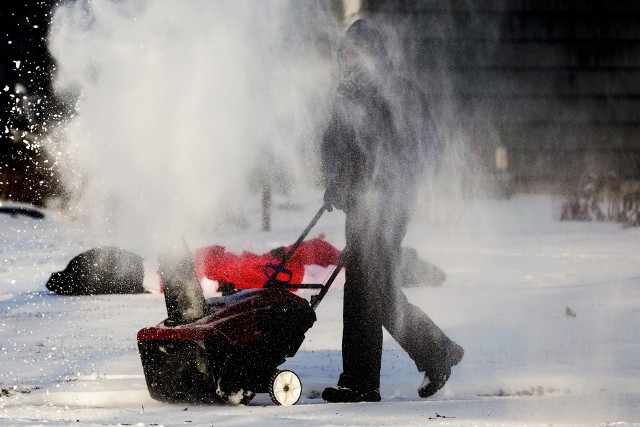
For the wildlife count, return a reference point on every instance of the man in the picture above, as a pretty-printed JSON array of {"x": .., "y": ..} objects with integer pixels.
[{"x": 374, "y": 151}]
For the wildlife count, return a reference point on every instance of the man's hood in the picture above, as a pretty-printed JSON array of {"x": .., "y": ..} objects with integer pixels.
[{"x": 369, "y": 41}]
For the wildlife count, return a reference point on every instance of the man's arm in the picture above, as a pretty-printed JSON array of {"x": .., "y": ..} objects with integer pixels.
[{"x": 334, "y": 152}]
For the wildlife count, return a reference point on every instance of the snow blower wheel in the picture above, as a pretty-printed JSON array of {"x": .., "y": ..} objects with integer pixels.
[{"x": 285, "y": 388}]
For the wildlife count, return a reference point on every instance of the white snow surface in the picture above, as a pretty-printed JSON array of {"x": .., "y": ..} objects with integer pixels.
[{"x": 547, "y": 311}]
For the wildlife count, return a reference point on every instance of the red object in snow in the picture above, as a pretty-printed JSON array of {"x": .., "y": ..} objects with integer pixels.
[{"x": 246, "y": 270}]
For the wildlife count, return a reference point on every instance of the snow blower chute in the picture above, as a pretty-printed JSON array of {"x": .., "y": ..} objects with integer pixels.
[{"x": 228, "y": 348}]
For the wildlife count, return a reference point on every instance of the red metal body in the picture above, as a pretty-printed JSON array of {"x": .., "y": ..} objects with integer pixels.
[{"x": 237, "y": 345}]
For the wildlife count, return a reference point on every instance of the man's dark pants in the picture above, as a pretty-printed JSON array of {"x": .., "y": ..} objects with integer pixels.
[{"x": 373, "y": 299}]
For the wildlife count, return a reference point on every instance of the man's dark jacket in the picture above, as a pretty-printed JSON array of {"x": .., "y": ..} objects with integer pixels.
[{"x": 378, "y": 142}]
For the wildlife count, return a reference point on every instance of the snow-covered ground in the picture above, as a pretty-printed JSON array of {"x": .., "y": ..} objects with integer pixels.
[{"x": 547, "y": 311}]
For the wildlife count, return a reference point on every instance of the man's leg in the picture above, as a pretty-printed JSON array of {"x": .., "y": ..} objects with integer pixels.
[
  {"x": 362, "y": 323},
  {"x": 416, "y": 333},
  {"x": 432, "y": 351}
]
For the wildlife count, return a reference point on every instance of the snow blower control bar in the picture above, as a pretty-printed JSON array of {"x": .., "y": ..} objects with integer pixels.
[
  {"x": 315, "y": 299},
  {"x": 275, "y": 272}
]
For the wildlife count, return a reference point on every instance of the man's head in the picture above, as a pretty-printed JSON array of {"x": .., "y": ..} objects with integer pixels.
[{"x": 362, "y": 50}]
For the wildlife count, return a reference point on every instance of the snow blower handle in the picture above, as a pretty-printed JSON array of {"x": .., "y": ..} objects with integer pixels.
[
  {"x": 316, "y": 299},
  {"x": 273, "y": 270},
  {"x": 306, "y": 231}
]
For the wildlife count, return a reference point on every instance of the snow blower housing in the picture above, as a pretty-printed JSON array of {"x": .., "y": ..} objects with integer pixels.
[
  {"x": 227, "y": 347},
  {"x": 231, "y": 353}
]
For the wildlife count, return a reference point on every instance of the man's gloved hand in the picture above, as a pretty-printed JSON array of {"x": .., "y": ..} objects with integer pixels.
[
  {"x": 278, "y": 253},
  {"x": 332, "y": 199}
]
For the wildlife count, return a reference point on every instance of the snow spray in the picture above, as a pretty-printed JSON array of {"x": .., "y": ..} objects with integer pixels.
[{"x": 176, "y": 102}]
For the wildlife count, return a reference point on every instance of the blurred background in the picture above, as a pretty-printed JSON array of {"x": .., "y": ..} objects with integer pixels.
[{"x": 530, "y": 95}]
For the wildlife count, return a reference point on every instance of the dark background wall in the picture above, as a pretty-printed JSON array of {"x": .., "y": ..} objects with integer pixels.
[
  {"x": 556, "y": 82},
  {"x": 26, "y": 101},
  {"x": 23, "y": 27}
]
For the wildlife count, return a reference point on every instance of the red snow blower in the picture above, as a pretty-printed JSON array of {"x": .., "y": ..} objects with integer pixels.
[{"x": 228, "y": 348}]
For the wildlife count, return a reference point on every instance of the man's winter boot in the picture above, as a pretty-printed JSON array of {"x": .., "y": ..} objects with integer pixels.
[
  {"x": 435, "y": 378},
  {"x": 348, "y": 395}
]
